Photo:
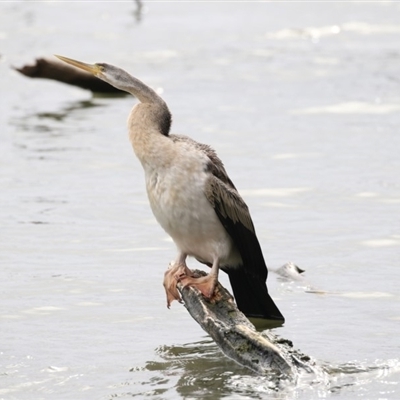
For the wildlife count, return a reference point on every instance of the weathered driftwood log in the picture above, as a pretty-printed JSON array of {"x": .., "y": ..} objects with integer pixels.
[
  {"x": 237, "y": 337},
  {"x": 62, "y": 72}
]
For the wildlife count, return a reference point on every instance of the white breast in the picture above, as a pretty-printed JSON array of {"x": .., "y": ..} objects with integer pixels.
[{"x": 177, "y": 199}]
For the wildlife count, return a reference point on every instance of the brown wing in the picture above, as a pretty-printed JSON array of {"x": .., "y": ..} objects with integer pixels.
[
  {"x": 228, "y": 204},
  {"x": 249, "y": 281},
  {"x": 220, "y": 190},
  {"x": 234, "y": 215},
  {"x": 215, "y": 166}
]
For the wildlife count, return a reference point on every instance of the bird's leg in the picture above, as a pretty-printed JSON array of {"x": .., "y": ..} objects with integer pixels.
[
  {"x": 206, "y": 284},
  {"x": 180, "y": 268},
  {"x": 173, "y": 274}
]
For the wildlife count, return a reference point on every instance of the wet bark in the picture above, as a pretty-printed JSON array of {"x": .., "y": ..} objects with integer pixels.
[{"x": 263, "y": 353}]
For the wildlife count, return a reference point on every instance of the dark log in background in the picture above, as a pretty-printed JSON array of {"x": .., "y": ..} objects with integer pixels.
[{"x": 49, "y": 69}]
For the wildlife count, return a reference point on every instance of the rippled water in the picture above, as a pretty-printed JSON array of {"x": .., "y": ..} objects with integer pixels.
[{"x": 301, "y": 101}]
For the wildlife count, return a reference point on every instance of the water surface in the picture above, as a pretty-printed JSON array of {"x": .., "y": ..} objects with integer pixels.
[{"x": 301, "y": 101}]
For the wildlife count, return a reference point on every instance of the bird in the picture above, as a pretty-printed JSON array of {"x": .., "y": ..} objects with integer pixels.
[
  {"x": 194, "y": 201},
  {"x": 290, "y": 271}
]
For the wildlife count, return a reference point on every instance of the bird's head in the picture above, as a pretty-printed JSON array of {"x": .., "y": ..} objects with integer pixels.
[
  {"x": 115, "y": 76},
  {"x": 120, "y": 79},
  {"x": 95, "y": 69}
]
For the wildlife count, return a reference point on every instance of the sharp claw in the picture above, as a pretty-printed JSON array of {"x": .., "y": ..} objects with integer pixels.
[{"x": 171, "y": 297}]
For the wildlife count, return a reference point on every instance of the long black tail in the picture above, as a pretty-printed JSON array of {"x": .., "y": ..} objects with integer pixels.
[{"x": 251, "y": 295}]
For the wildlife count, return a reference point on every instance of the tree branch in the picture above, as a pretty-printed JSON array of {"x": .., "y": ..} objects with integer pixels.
[{"x": 263, "y": 353}]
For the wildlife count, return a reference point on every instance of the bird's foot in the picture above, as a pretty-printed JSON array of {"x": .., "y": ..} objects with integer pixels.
[
  {"x": 205, "y": 284},
  {"x": 172, "y": 276}
]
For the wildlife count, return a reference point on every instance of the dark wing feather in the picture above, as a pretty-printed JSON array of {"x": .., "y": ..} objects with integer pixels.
[
  {"x": 234, "y": 215},
  {"x": 249, "y": 280}
]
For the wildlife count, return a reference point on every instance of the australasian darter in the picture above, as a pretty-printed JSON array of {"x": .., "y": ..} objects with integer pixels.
[{"x": 194, "y": 200}]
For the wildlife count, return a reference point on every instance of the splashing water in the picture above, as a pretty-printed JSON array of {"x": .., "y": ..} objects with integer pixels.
[{"x": 195, "y": 369}]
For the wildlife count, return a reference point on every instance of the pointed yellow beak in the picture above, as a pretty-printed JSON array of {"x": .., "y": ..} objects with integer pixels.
[{"x": 92, "y": 68}]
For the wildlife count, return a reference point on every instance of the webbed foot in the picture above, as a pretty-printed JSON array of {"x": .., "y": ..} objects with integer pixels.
[
  {"x": 205, "y": 284},
  {"x": 175, "y": 273}
]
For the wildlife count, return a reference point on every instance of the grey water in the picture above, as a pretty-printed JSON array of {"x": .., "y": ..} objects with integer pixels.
[{"x": 301, "y": 100}]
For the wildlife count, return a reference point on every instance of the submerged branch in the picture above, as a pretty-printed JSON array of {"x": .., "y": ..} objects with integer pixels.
[{"x": 263, "y": 353}]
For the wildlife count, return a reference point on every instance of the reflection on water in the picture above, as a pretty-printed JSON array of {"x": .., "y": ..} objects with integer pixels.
[
  {"x": 200, "y": 366},
  {"x": 67, "y": 110},
  {"x": 45, "y": 135},
  {"x": 60, "y": 115},
  {"x": 199, "y": 370}
]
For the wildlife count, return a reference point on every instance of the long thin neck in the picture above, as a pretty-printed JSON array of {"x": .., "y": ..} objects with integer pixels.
[
  {"x": 142, "y": 92},
  {"x": 153, "y": 109},
  {"x": 124, "y": 81}
]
